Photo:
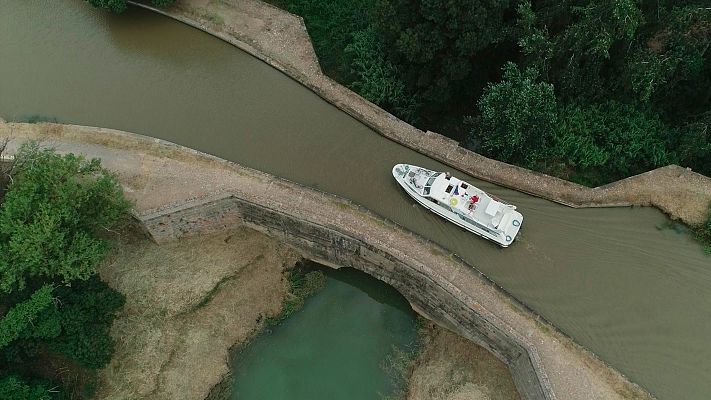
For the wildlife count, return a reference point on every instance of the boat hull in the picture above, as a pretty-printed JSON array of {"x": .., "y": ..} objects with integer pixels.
[{"x": 502, "y": 239}]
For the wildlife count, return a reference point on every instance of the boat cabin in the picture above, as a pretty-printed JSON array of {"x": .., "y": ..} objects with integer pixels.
[{"x": 470, "y": 203}]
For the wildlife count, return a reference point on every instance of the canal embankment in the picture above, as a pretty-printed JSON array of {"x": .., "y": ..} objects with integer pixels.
[
  {"x": 281, "y": 40},
  {"x": 180, "y": 192}
]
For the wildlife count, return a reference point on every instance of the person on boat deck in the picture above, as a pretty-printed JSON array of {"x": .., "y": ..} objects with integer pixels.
[{"x": 447, "y": 175}]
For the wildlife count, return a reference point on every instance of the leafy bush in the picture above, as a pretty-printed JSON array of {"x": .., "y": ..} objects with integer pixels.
[
  {"x": 19, "y": 320},
  {"x": 376, "y": 78},
  {"x": 610, "y": 141},
  {"x": 517, "y": 119},
  {"x": 85, "y": 314},
  {"x": 51, "y": 216},
  {"x": 15, "y": 388}
]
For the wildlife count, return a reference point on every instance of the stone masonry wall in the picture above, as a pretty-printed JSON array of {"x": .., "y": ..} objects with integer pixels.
[
  {"x": 178, "y": 191},
  {"x": 430, "y": 296}
]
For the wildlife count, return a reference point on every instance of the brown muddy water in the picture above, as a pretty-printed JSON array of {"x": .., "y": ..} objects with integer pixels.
[{"x": 619, "y": 281}]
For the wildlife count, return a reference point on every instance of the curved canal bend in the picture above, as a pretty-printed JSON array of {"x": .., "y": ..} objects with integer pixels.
[{"x": 635, "y": 293}]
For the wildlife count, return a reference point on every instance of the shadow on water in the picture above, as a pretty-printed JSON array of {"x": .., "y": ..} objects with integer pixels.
[{"x": 377, "y": 290}]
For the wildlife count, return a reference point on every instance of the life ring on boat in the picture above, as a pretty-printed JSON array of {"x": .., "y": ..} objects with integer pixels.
[
  {"x": 453, "y": 201},
  {"x": 508, "y": 238},
  {"x": 516, "y": 222}
]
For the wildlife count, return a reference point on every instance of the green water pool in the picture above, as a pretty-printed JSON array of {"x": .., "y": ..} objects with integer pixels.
[{"x": 337, "y": 347}]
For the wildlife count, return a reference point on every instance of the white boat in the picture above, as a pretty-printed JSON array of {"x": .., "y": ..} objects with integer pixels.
[{"x": 461, "y": 203}]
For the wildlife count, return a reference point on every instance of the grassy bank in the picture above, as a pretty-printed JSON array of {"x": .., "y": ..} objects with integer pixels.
[
  {"x": 187, "y": 303},
  {"x": 447, "y": 366},
  {"x": 303, "y": 282}
]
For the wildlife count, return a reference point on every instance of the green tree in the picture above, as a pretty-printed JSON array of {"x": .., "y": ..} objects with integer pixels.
[
  {"x": 672, "y": 52},
  {"x": 693, "y": 144},
  {"x": 517, "y": 120},
  {"x": 51, "y": 216},
  {"x": 582, "y": 51},
  {"x": 331, "y": 25},
  {"x": 15, "y": 388},
  {"x": 18, "y": 321},
  {"x": 610, "y": 141},
  {"x": 438, "y": 44},
  {"x": 85, "y": 313},
  {"x": 376, "y": 78},
  {"x": 52, "y": 223}
]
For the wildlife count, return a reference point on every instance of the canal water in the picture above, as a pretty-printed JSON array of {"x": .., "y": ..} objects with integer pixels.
[
  {"x": 337, "y": 347},
  {"x": 617, "y": 280}
]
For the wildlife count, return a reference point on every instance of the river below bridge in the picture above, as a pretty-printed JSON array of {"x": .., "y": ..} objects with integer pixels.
[
  {"x": 338, "y": 347},
  {"x": 620, "y": 281}
]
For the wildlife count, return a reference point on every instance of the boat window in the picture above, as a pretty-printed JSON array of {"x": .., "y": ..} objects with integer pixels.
[
  {"x": 431, "y": 181},
  {"x": 426, "y": 190},
  {"x": 449, "y": 189}
]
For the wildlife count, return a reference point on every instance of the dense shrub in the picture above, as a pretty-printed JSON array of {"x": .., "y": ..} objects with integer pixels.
[
  {"x": 376, "y": 78},
  {"x": 517, "y": 118},
  {"x": 13, "y": 387},
  {"x": 85, "y": 313},
  {"x": 53, "y": 220},
  {"x": 20, "y": 320},
  {"x": 51, "y": 216},
  {"x": 609, "y": 141}
]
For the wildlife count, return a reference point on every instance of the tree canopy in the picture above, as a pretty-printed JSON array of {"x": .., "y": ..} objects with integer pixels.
[
  {"x": 445, "y": 66},
  {"x": 51, "y": 215},
  {"x": 53, "y": 225},
  {"x": 517, "y": 117}
]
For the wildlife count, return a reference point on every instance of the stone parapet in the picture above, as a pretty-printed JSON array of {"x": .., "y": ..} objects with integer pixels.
[{"x": 428, "y": 292}]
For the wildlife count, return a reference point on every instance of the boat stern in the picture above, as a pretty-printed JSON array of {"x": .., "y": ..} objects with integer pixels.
[{"x": 511, "y": 228}]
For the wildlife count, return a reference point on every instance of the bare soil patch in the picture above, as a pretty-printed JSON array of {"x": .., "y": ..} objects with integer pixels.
[{"x": 187, "y": 303}]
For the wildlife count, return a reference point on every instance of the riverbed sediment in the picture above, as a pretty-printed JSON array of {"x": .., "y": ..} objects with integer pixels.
[
  {"x": 280, "y": 39},
  {"x": 180, "y": 192}
]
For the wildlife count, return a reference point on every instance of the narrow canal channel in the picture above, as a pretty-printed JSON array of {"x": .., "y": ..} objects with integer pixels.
[{"x": 620, "y": 283}]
